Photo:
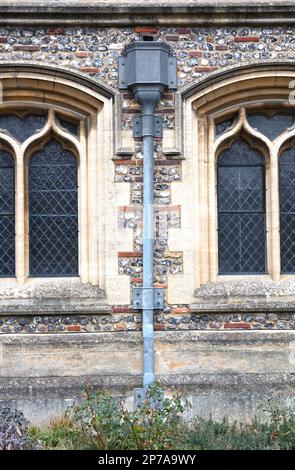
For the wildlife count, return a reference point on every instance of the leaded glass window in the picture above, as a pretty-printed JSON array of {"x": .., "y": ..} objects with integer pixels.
[
  {"x": 223, "y": 126},
  {"x": 272, "y": 124},
  {"x": 53, "y": 211},
  {"x": 287, "y": 210},
  {"x": 22, "y": 127},
  {"x": 7, "y": 230},
  {"x": 241, "y": 210}
]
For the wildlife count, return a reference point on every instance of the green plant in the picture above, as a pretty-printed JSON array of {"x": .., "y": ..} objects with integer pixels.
[
  {"x": 157, "y": 424},
  {"x": 60, "y": 433},
  {"x": 100, "y": 421}
]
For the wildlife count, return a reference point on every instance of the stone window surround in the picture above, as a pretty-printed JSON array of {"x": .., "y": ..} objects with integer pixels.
[
  {"x": 74, "y": 96},
  {"x": 21, "y": 152},
  {"x": 199, "y": 105}
]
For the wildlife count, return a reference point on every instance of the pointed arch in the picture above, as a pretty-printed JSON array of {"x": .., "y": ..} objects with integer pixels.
[
  {"x": 78, "y": 112},
  {"x": 213, "y": 112}
]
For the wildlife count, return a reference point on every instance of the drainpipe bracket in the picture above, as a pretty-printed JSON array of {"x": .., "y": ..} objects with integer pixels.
[
  {"x": 137, "y": 126},
  {"x": 148, "y": 298}
]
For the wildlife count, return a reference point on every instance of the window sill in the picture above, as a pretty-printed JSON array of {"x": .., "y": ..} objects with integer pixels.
[
  {"x": 63, "y": 296},
  {"x": 245, "y": 295}
]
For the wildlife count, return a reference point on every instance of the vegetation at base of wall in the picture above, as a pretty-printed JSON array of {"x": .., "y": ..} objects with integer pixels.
[
  {"x": 101, "y": 422},
  {"x": 13, "y": 430}
]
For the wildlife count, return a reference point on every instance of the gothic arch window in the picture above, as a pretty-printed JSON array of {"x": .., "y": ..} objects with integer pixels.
[
  {"x": 252, "y": 103},
  {"x": 287, "y": 210},
  {"x": 69, "y": 118},
  {"x": 241, "y": 210},
  {"x": 46, "y": 148},
  {"x": 256, "y": 191},
  {"x": 53, "y": 211},
  {"x": 255, "y": 198},
  {"x": 7, "y": 219}
]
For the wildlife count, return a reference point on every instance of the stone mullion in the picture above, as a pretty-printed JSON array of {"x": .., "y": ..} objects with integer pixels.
[
  {"x": 93, "y": 203},
  {"x": 275, "y": 215},
  {"x": 212, "y": 206},
  {"x": 20, "y": 219},
  {"x": 203, "y": 207},
  {"x": 83, "y": 207}
]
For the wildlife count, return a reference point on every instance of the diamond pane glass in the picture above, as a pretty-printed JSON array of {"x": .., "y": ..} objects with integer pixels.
[
  {"x": 271, "y": 125},
  {"x": 7, "y": 229},
  {"x": 241, "y": 210},
  {"x": 53, "y": 212},
  {"x": 287, "y": 210},
  {"x": 22, "y": 127}
]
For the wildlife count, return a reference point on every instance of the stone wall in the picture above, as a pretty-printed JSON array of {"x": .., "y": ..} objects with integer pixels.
[
  {"x": 46, "y": 358},
  {"x": 94, "y": 52},
  {"x": 222, "y": 373}
]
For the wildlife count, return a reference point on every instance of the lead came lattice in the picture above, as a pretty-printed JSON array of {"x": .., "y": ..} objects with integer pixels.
[
  {"x": 53, "y": 212},
  {"x": 7, "y": 230},
  {"x": 241, "y": 210}
]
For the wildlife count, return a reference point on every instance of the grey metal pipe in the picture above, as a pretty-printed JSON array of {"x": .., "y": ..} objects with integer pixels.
[{"x": 148, "y": 97}]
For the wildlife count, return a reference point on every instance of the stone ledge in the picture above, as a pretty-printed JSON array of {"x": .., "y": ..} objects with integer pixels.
[
  {"x": 52, "y": 297},
  {"x": 12, "y": 387},
  {"x": 67, "y": 13},
  {"x": 235, "y": 296}
]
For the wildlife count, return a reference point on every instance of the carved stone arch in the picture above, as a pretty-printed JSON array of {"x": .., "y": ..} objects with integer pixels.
[
  {"x": 62, "y": 94},
  {"x": 220, "y": 95}
]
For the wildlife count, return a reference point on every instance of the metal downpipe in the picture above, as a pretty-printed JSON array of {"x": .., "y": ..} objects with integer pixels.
[
  {"x": 147, "y": 68},
  {"x": 148, "y": 245}
]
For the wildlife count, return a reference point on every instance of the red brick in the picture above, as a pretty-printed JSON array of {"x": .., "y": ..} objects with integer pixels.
[
  {"x": 131, "y": 110},
  {"x": 55, "y": 31},
  {"x": 136, "y": 280},
  {"x": 30, "y": 48},
  {"x": 128, "y": 162},
  {"x": 221, "y": 48},
  {"x": 145, "y": 29},
  {"x": 166, "y": 111},
  {"x": 246, "y": 39},
  {"x": 90, "y": 69},
  {"x": 195, "y": 53},
  {"x": 73, "y": 328},
  {"x": 123, "y": 310},
  {"x": 3, "y": 39},
  {"x": 184, "y": 30},
  {"x": 167, "y": 162},
  {"x": 129, "y": 254},
  {"x": 172, "y": 37},
  {"x": 81, "y": 54},
  {"x": 181, "y": 310},
  {"x": 204, "y": 68},
  {"x": 159, "y": 327},
  {"x": 237, "y": 325}
]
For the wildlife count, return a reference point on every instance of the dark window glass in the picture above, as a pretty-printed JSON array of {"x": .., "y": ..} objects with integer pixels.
[
  {"x": 271, "y": 125},
  {"x": 223, "y": 126},
  {"x": 287, "y": 210},
  {"x": 22, "y": 127},
  {"x": 53, "y": 212},
  {"x": 69, "y": 126},
  {"x": 7, "y": 226},
  {"x": 241, "y": 210}
]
